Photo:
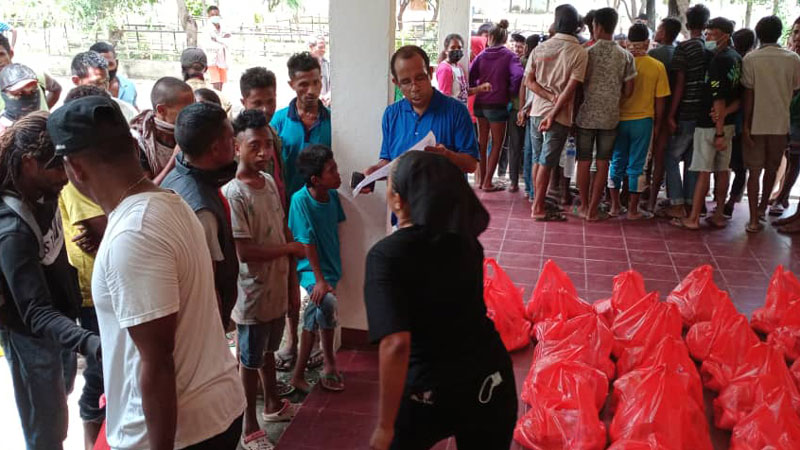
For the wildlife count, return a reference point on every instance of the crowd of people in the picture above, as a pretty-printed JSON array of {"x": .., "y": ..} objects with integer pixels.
[{"x": 139, "y": 238}]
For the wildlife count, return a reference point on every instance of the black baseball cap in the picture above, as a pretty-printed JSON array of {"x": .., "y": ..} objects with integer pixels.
[{"x": 85, "y": 122}]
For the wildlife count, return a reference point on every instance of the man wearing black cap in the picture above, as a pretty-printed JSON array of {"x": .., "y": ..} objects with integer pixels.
[
  {"x": 19, "y": 90},
  {"x": 170, "y": 380},
  {"x": 713, "y": 136},
  {"x": 39, "y": 294},
  {"x": 194, "y": 64},
  {"x": 205, "y": 164}
]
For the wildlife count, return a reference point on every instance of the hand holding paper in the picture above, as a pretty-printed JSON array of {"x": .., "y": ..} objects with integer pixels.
[{"x": 428, "y": 142}]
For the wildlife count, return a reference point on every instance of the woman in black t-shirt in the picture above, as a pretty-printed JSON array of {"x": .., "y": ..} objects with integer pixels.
[{"x": 443, "y": 368}]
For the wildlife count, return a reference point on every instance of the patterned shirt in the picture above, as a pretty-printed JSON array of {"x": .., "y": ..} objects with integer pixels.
[
  {"x": 610, "y": 66},
  {"x": 691, "y": 58}
]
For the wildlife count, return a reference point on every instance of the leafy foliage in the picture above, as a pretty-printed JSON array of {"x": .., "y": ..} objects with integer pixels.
[{"x": 291, "y": 4}]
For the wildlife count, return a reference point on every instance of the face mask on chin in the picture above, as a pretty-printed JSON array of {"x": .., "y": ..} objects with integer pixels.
[
  {"x": 18, "y": 106},
  {"x": 711, "y": 45}
]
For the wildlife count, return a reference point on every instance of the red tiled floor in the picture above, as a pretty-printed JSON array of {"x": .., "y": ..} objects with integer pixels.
[{"x": 591, "y": 254}]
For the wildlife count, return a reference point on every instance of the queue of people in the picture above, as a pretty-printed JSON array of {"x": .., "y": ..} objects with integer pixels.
[{"x": 139, "y": 239}]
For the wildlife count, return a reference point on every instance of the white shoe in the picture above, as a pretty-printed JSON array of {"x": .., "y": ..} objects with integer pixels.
[
  {"x": 257, "y": 441},
  {"x": 285, "y": 414}
]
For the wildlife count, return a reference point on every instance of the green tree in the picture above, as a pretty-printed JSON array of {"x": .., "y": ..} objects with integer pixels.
[{"x": 101, "y": 14}]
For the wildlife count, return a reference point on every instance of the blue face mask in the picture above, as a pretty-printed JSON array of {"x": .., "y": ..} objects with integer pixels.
[{"x": 711, "y": 45}]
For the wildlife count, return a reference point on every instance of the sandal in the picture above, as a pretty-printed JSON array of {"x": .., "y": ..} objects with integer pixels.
[
  {"x": 776, "y": 210},
  {"x": 332, "y": 382},
  {"x": 285, "y": 414},
  {"x": 551, "y": 216},
  {"x": 315, "y": 361},
  {"x": 601, "y": 216},
  {"x": 283, "y": 363},
  {"x": 756, "y": 229},
  {"x": 494, "y": 188},
  {"x": 679, "y": 223},
  {"x": 283, "y": 389},
  {"x": 714, "y": 224},
  {"x": 622, "y": 211}
]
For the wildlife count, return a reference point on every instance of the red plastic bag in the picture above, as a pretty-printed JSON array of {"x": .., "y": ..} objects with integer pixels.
[
  {"x": 794, "y": 371},
  {"x": 786, "y": 337},
  {"x": 670, "y": 352},
  {"x": 697, "y": 296},
  {"x": 726, "y": 335},
  {"x": 504, "y": 306},
  {"x": 645, "y": 323},
  {"x": 729, "y": 351},
  {"x": 784, "y": 289},
  {"x": 587, "y": 329},
  {"x": 627, "y": 291},
  {"x": 101, "y": 443},
  {"x": 654, "y": 401},
  {"x": 562, "y": 419},
  {"x": 773, "y": 425},
  {"x": 560, "y": 365},
  {"x": 555, "y": 297},
  {"x": 744, "y": 394},
  {"x": 653, "y": 442}
]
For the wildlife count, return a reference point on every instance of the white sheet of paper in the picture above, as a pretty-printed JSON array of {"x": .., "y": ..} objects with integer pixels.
[{"x": 428, "y": 141}]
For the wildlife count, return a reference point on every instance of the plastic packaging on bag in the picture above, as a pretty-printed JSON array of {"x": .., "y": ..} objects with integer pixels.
[
  {"x": 655, "y": 401},
  {"x": 645, "y": 323},
  {"x": 555, "y": 297},
  {"x": 653, "y": 442},
  {"x": 697, "y": 296},
  {"x": 783, "y": 290},
  {"x": 730, "y": 351},
  {"x": 670, "y": 352},
  {"x": 559, "y": 365},
  {"x": 586, "y": 329},
  {"x": 744, "y": 394},
  {"x": 561, "y": 419},
  {"x": 504, "y": 306},
  {"x": 794, "y": 371},
  {"x": 773, "y": 425},
  {"x": 726, "y": 335},
  {"x": 627, "y": 290},
  {"x": 786, "y": 336}
]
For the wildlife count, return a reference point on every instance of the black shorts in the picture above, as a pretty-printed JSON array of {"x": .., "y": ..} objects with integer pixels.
[{"x": 481, "y": 417}]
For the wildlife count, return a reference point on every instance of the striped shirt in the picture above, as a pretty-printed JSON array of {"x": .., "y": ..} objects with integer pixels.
[{"x": 691, "y": 58}]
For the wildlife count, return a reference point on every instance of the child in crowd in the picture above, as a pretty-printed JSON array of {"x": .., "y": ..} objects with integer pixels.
[
  {"x": 640, "y": 114},
  {"x": 314, "y": 217},
  {"x": 267, "y": 282}
]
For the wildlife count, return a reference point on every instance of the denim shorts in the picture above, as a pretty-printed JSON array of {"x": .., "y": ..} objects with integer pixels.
[
  {"x": 547, "y": 146},
  {"x": 323, "y": 316},
  {"x": 256, "y": 339},
  {"x": 587, "y": 140},
  {"x": 491, "y": 114}
]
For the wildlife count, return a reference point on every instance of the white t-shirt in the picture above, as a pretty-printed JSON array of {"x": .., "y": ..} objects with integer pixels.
[{"x": 148, "y": 267}]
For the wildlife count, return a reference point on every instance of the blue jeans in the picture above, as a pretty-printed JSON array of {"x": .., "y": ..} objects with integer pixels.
[
  {"x": 527, "y": 160},
  {"x": 680, "y": 148},
  {"x": 89, "y": 403},
  {"x": 630, "y": 154},
  {"x": 322, "y": 316},
  {"x": 548, "y": 145},
  {"x": 43, "y": 374}
]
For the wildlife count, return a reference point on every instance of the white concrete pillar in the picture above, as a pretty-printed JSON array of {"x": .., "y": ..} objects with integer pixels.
[
  {"x": 455, "y": 17},
  {"x": 362, "y": 42}
]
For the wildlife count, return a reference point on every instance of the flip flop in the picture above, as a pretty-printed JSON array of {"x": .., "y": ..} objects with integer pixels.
[
  {"x": 315, "y": 360},
  {"x": 622, "y": 211},
  {"x": 285, "y": 414},
  {"x": 601, "y": 216},
  {"x": 284, "y": 364},
  {"x": 643, "y": 215},
  {"x": 283, "y": 389},
  {"x": 757, "y": 229},
  {"x": 713, "y": 224},
  {"x": 332, "y": 382},
  {"x": 678, "y": 223},
  {"x": 776, "y": 210},
  {"x": 494, "y": 188},
  {"x": 551, "y": 216}
]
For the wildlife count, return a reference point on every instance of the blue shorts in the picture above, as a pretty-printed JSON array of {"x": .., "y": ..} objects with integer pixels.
[
  {"x": 491, "y": 114},
  {"x": 323, "y": 316},
  {"x": 256, "y": 339}
]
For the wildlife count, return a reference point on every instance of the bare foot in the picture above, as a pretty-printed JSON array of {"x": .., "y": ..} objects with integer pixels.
[
  {"x": 791, "y": 228},
  {"x": 300, "y": 385},
  {"x": 786, "y": 220},
  {"x": 640, "y": 215},
  {"x": 676, "y": 211}
]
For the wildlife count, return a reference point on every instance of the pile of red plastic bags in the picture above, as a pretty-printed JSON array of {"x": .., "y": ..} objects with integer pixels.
[{"x": 651, "y": 349}]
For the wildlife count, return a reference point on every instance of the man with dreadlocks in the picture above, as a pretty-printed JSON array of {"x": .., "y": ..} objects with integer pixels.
[{"x": 39, "y": 295}]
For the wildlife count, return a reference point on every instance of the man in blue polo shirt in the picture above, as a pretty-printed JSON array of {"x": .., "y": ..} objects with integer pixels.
[
  {"x": 425, "y": 109},
  {"x": 305, "y": 121}
]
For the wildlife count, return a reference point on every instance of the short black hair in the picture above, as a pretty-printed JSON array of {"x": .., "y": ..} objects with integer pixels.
[
  {"x": 249, "y": 119},
  {"x": 744, "y": 39},
  {"x": 256, "y": 78},
  {"x": 212, "y": 8},
  {"x": 302, "y": 62},
  {"x": 449, "y": 38},
  {"x": 198, "y": 127},
  {"x": 588, "y": 20},
  {"x": 485, "y": 27},
  {"x": 531, "y": 43},
  {"x": 85, "y": 60},
  {"x": 166, "y": 91},
  {"x": 311, "y": 161},
  {"x": 672, "y": 28},
  {"x": 85, "y": 90},
  {"x": 721, "y": 24},
  {"x": 408, "y": 52},
  {"x": 516, "y": 37},
  {"x": 642, "y": 16},
  {"x": 207, "y": 95},
  {"x": 4, "y": 43},
  {"x": 769, "y": 29},
  {"x": 606, "y": 18},
  {"x": 638, "y": 32},
  {"x": 103, "y": 47},
  {"x": 697, "y": 17}
]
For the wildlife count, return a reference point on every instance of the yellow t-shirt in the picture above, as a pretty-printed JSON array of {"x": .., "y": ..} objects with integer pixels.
[
  {"x": 650, "y": 83},
  {"x": 76, "y": 208}
]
